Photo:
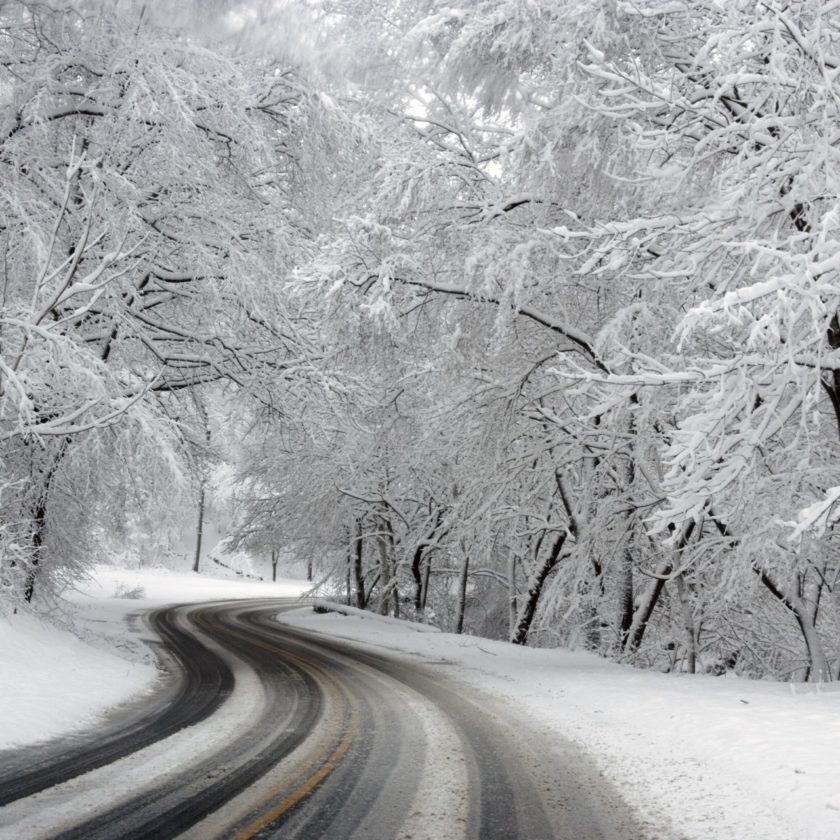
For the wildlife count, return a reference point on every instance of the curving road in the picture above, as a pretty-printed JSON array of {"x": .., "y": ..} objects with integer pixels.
[{"x": 265, "y": 731}]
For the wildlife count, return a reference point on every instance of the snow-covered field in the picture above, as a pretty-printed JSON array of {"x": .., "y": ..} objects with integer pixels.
[{"x": 699, "y": 757}]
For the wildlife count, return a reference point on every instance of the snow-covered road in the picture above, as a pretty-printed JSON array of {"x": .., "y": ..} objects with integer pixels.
[
  {"x": 699, "y": 757},
  {"x": 314, "y": 738}
]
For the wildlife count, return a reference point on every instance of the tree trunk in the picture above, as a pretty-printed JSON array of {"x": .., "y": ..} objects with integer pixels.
[
  {"x": 831, "y": 381},
  {"x": 688, "y": 626},
  {"x": 592, "y": 636},
  {"x": 835, "y": 595},
  {"x": 647, "y": 603},
  {"x": 625, "y": 592},
  {"x": 512, "y": 600},
  {"x": 383, "y": 545},
  {"x": 199, "y": 531},
  {"x": 462, "y": 594},
  {"x": 416, "y": 573},
  {"x": 535, "y": 586},
  {"x": 275, "y": 556},
  {"x": 818, "y": 669},
  {"x": 427, "y": 572},
  {"x": 818, "y": 665},
  {"x": 348, "y": 588},
  {"x": 358, "y": 573},
  {"x": 626, "y": 595},
  {"x": 199, "y": 528},
  {"x": 40, "y": 523},
  {"x": 812, "y": 591},
  {"x": 645, "y": 608},
  {"x": 419, "y": 568}
]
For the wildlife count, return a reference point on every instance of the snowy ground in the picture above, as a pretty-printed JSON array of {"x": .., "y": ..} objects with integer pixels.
[{"x": 699, "y": 757}]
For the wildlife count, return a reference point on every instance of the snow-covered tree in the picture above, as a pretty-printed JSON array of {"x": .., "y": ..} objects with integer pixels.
[
  {"x": 150, "y": 196},
  {"x": 606, "y": 173}
]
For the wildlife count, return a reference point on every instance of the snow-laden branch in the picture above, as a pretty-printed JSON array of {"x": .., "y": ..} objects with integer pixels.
[
  {"x": 578, "y": 338},
  {"x": 68, "y": 423},
  {"x": 816, "y": 518}
]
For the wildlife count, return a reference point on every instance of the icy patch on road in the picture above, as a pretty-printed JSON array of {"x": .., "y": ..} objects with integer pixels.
[{"x": 697, "y": 756}]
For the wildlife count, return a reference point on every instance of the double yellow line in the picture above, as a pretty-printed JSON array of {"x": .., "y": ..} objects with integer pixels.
[{"x": 326, "y": 760}]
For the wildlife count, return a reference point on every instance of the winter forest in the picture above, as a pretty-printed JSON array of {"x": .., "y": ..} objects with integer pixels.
[{"x": 519, "y": 317}]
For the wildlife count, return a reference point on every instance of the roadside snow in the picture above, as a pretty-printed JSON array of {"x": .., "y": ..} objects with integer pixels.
[
  {"x": 322, "y": 605},
  {"x": 706, "y": 758},
  {"x": 54, "y": 681},
  {"x": 160, "y": 586}
]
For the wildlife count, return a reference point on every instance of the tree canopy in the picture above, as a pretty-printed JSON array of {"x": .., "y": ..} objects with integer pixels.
[{"x": 517, "y": 317}]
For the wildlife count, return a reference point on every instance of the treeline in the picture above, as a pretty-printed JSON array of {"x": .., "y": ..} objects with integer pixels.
[
  {"x": 586, "y": 301},
  {"x": 521, "y": 318}
]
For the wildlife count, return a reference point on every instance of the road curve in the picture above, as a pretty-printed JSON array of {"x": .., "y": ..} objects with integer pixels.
[
  {"x": 200, "y": 684},
  {"x": 274, "y": 732}
]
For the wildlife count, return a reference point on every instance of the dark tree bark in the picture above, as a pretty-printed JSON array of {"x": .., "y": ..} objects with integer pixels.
[
  {"x": 535, "y": 588},
  {"x": 39, "y": 521},
  {"x": 199, "y": 528},
  {"x": 512, "y": 599},
  {"x": 358, "y": 571},
  {"x": 427, "y": 572},
  {"x": 462, "y": 593},
  {"x": 385, "y": 545},
  {"x": 202, "y": 486},
  {"x": 419, "y": 569},
  {"x": 417, "y": 574},
  {"x": 648, "y": 601},
  {"x": 644, "y": 610},
  {"x": 39, "y": 526},
  {"x": 818, "y": 669}
]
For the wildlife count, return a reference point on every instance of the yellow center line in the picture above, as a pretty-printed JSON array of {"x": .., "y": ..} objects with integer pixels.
[
  {"x": 325, "y": 768},
  {"x": 303, "y": 789}
]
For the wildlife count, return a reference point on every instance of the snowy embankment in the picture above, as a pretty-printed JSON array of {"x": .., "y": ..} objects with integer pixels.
[
  {"x": 55, "y": 681},
  {"x": 711, "y": 758}
]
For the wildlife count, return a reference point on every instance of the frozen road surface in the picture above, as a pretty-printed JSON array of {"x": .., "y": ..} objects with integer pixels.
[{"x": 267, "y": 731}]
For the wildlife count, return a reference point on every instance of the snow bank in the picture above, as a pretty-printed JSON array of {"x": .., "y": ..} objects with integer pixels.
[
  {"x": 161, "y": 586},
  {"x": 54, "y": 682},
  {"x": 321, "y": 605},
  {"x": 698, "y": 757}
]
